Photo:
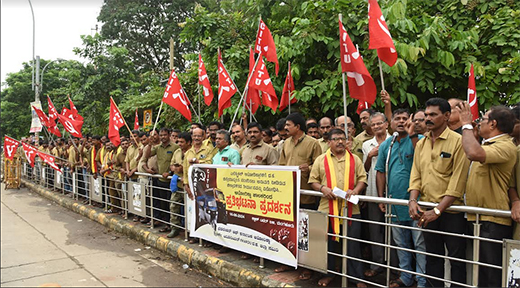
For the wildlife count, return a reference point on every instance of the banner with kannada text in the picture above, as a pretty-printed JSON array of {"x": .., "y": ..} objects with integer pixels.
[{"x": 253, "y": 210}]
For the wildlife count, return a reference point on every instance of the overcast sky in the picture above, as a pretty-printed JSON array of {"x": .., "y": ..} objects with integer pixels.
[{"x": 59, "y": 25}]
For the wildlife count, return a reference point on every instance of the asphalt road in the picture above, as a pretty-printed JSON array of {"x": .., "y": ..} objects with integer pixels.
[{"x": 43, "y": 243}]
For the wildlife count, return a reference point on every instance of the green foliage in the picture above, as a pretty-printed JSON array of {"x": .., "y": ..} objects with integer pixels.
[{"x": 436, "y": 42}]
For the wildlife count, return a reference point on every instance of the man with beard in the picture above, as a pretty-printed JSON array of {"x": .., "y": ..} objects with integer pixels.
[{"x": 312, "y": 130}]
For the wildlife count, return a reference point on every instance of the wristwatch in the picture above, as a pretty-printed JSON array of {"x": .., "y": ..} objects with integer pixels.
[
  {"x": 467, "y": 126},
  {"x": 437, "y": 211}
]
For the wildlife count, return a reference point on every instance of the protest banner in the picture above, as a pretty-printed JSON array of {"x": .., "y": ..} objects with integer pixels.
[{"x": 253, "y": 210}]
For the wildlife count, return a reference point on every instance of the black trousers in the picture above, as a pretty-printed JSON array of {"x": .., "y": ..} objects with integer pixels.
[
  {"x": 447, "y": 222},
  {"x": 491, "y": 253},
  {"x": 161, "y": 195}
]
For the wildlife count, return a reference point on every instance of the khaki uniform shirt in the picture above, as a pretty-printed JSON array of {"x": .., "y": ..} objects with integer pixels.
[
  {"x": 363, "y": 136},
  {"x": 72, "y": 157},
  {"x": 119, "y": 163},
  {"x": 488, "y": 182},
  {"x": 357, "y": 148},
  {"x": 204, "y": 155},
  {"x": 318, "y": 176},
  {"x": 323, "y": 144},
  {"x": 164, "y": 156},
  {"x": 305, "y": 151},
  {"x": 261, "y": 154},
  {"x": 515, "y": 183},
  {"x": 440, "y": 170},
  {"x": 177, "y": 159},
  {"x": 239, "y": 149}
]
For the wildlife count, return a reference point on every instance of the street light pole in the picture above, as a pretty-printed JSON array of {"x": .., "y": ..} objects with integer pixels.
[
  {"x": 34, "y": 41},
  {"x": 43, "y": 71},
  {"x": 37, "y": 90}
]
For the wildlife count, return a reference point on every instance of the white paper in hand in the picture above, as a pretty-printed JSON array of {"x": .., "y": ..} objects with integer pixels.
[{"x": 354, "y": 199}]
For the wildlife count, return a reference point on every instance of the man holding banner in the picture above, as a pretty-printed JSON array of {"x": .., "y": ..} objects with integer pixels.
[{"x": 339, "y": 168}]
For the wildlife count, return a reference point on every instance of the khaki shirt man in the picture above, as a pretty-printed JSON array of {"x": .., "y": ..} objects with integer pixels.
[
  {"x": 164, "y": 156},
  {"x": 260, "y": 154},
  {"x": 131, "y": 158},
  {"x": 204, "y": 156}
]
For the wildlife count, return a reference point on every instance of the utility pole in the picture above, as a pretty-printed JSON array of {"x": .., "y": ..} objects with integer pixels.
[{"x": 37, "y": 90}]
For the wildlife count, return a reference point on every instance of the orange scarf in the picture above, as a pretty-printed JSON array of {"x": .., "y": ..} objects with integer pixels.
[{"x": 349, "y": 176}]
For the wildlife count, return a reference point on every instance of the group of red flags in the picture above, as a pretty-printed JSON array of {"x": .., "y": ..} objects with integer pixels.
[
  {"x": 11, "y": 145},
  {"x": 69, "y": 118}
]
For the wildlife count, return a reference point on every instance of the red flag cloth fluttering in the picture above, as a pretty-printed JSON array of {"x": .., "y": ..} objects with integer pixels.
[
  {"x": 136, "y": 121},
  {"x": 10, "y": 146},
  {"x": 204, "y": 81},
  {"x": 379, "y": 35},
  {"x": 265, "y": 45},
  {"x": 53, "y": 113},
  {"x": 115, "y": 122},
  {"x": 50, "y": 160},
  {"x": 30, "y": 153},
  {"x": 72, "y": 126},
  {"x": 74, "y": 111},
  {"x": 288, "y": 89},
  {"x": 472, "y": 94},
  {"x": 226, "y": 87},
  {"x": 252, "y": 100},
  {"x": 175, "y": 96},
  {"x": 261, "y": 81},
  {"x": 47, "y": 122},
  {"x": 361, "y": 86}
]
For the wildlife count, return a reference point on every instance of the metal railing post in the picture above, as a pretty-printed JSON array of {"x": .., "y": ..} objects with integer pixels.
[
  {"x": 186, "y": 237},
  {"x": 476, "y": 249},
  {"x": 344, "y": 262}
]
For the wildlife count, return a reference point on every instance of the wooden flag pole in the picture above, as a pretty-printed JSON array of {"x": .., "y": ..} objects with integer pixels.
[
  {"x": 288, "y": 71},
  {"x": 381, "y": 75},
  {"x": 124, "y": 120},
  {"x": 171, "y": 68},
  {"x": 344, "y": 92}
]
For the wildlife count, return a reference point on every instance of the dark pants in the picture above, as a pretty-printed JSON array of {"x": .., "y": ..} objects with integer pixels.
[
  {"x": 447, "y": 222},
  {"x": 311, "y": 206},
  {"x": 491, "y": 253},
  {"x": 161, "y": 194},
  {"x": 376, "y": 234}
]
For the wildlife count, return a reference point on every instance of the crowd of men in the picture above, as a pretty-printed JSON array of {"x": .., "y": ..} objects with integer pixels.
[{"x": 437, "y": 155}]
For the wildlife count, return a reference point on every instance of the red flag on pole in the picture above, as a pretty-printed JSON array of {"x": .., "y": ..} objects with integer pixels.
[
  {"x": 53, "y": 113},
  {"x": 362, "y": 105},
  {"x": 115, "y": 122},
  {"x": 74, "y": 111},
  {"x": 226, "y": 87},
  {"x": 472, "y": 94},
  {"x": 136, "y": 121},
  {"x": 361, "y": 86},
  {"x": 379, "y": 35},
  {"x": 204, "y": 81},
  {"x": 175, "y": 96},
  {"x": 68, "y": 114},
  {"x": 288, "y": 89},
  {"x": 261, "y": 81},
  {"x": 10, "y": 146},
  {"x": 50, "y": 160},
  {"x": 30, "y": 153},
  {"x": 72, "y": 126},
  {"x": 47, "y": 122},
  {"x": 252, "y": 100},
  {"x": 265, "y": 44}
]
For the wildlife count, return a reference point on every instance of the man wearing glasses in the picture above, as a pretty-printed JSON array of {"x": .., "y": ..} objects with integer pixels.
[
  {"x": 419, "y": 122},
  {"x": 488, "y": 181},
  {"x": 378, "y": 125}
]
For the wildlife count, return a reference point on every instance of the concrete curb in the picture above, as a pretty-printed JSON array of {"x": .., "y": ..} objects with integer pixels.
[{"x": 213, "y": 266}]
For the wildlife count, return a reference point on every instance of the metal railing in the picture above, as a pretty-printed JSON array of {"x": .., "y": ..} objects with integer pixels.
[{"x": 114, "y": 193}]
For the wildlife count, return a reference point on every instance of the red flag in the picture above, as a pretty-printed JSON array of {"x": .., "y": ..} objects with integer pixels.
[
  {"x": 265, "y": 44},
  {"x": 261, "y": 81},
  {"x": 136, "y": 121},
  {"x": 472, "y": 94},
  {"x": 47, "y": 122},
  {"x": 204, "y": 81},
  {"x": 74, "y": 111},
  {"x": 379, "y": 35},
  {"x": 49, "y": 159},
  {"x": 361, "y": 86},
  {"x": 72, "y": 126},
  {"x": 362, "y": 105},
  {"x": 175, "y": 96},
  {"x": 288, "y": 89},
  {"x": 253, "y": 96},
  {"x": 10, "y": 146},
  {"x": 53, "y": 113},
  {"x": 115, "y": 122},
  {"x": 30, "y": 153},
  {"x": 43, "y": 118},
  {"x": 226, "y": 87},
  {"x": 68, "y": 114}
]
